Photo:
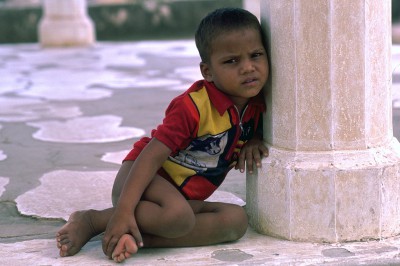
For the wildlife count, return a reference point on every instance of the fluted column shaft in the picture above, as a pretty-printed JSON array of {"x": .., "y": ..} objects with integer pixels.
[{"x": 334, "y": 167}]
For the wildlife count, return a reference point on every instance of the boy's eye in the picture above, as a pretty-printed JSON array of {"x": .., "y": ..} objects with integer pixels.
[
  {"x": 256, "y": 54},
  {"x": 230, "y": 61}
]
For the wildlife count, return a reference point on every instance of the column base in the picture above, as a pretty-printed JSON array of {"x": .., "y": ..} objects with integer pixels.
[
  {"x": 333, "y": 196},
  {"x": 66, "y": 32}
]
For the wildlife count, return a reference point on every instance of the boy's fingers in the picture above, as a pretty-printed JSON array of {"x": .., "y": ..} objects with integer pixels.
[
  {"x": 111, "y": 246},
  {"x": 138, "y": 238},
  {"x": 107, "y": 242},
  {"x": 257, "y": 157},
  {"x": 236, "y": 165},
  {"x": 241, "y": 161},
  {"x": 104, "y": 244},
  {"x": 264, "y": 150},
  {"x": 249, "y": 160}
]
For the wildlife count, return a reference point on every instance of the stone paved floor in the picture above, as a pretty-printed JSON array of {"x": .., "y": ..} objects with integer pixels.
[{"x": 68, "y": 116}]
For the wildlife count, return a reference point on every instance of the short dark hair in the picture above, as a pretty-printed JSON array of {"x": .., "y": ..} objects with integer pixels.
[{"x": 220, "y": 21}]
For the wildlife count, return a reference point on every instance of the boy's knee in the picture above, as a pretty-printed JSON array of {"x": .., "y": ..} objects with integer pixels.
[
  {"x": 234, "y": 223},
  {"x": 179, "y": 221}
]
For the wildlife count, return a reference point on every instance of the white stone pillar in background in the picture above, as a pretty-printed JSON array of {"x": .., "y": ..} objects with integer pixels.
[
  {"x": 333, "y": 173},
  {"x": 253, "y": 6},
  {"x": 66, "y": 23}
]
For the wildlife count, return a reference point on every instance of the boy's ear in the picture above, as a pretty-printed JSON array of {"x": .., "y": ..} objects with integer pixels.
[{"x": 205, "y": 71}]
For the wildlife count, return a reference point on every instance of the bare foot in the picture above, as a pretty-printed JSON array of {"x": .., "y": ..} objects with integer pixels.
[
  {"x": 75, "y": 233},
  {"x": 126, "y": 246}
]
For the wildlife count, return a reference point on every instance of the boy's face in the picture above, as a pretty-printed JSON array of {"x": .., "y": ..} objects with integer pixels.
[{"x": 238, "y": 65}]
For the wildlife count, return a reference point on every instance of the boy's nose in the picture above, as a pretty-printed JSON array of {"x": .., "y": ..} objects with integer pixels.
[{"x": 247, "y": 66}]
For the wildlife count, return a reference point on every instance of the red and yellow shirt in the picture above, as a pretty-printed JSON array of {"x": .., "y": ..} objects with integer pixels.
[{"x": 205, "y": 133}]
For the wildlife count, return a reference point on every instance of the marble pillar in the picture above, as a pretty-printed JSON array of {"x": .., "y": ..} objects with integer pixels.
[
  {"x": 333, "y": 173},
  {"x": 66, "y": 23},
  {"x": 253, "y": 6}
]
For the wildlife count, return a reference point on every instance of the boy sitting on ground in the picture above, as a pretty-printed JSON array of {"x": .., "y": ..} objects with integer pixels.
[{"x": 159, "y": 191}]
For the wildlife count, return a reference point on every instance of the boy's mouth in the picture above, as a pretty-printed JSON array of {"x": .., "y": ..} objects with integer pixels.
[{"x": 249, "y": 81}]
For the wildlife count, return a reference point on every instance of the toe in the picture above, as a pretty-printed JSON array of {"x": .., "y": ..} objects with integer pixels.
[
  {"x": 121, "y": 257},
  {"x": 63, "y": 252},
  {"x": 130, "y": 246},
  {"x": 63, "y": 241}
]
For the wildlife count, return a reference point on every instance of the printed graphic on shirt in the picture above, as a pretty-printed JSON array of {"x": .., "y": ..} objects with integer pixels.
[{"x": 203, "y": 152}]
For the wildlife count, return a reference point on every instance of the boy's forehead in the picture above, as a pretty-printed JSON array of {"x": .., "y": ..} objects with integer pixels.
[{"x": 233, "y": 35}]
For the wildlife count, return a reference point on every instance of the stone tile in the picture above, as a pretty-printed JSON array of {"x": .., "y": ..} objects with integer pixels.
[
  {"x": 62, "y": 195},
  {"x": 227, "y": 197},
  {"x": 3, "y": 156},
  {"x": 27, "y": 109},
  {"x": 78, "y": 84},
  {"x": 66, "y": 191},
  {"x": 97, "y": 129},
  {"x": 253, "y": 249},
  {"x": 3, "y": 182},
  {"x": 115, "y": 157}
]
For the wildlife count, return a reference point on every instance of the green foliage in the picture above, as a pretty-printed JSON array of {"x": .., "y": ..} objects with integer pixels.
[
  {"x": 19, "y": 25},
  {"x": 395, "y": 10},
  {"x": 164, "y": 19}
]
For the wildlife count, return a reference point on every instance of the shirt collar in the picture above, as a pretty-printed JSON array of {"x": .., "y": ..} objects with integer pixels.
[{"x": 222, "y": 102}]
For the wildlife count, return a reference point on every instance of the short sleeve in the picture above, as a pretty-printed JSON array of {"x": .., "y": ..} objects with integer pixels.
[{"x": 179, "y": 126}]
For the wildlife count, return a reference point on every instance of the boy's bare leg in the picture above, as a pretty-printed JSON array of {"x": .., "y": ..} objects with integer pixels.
[
  {"x": 167, "y": 215},
  {"x": 162, "y": 211},
  {"x": 80, "y": 228},
  {"x": 83, "y": 225},
  {"x": 215, "y": 223},
  {"x": 164, "y": 217}
]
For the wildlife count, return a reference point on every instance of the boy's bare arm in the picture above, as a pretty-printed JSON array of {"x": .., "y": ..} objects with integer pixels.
[
  {"x": 142, "y": 173},
  {"x": 251, "y": 153}
]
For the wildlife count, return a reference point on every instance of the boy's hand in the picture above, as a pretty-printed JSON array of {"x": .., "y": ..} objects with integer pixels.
[
  {"x": 250, "y": 154},
  {"x": 120, "y": 224}
]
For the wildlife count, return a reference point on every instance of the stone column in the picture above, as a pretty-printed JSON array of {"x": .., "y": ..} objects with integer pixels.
[
  {"x": 66, "y": 23},
  {"x": 253, "y": 6},
  {"x": 333, "y": 173}
]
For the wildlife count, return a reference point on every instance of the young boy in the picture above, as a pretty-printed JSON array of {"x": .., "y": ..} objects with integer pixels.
[{"x": 159, "y": 192}]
